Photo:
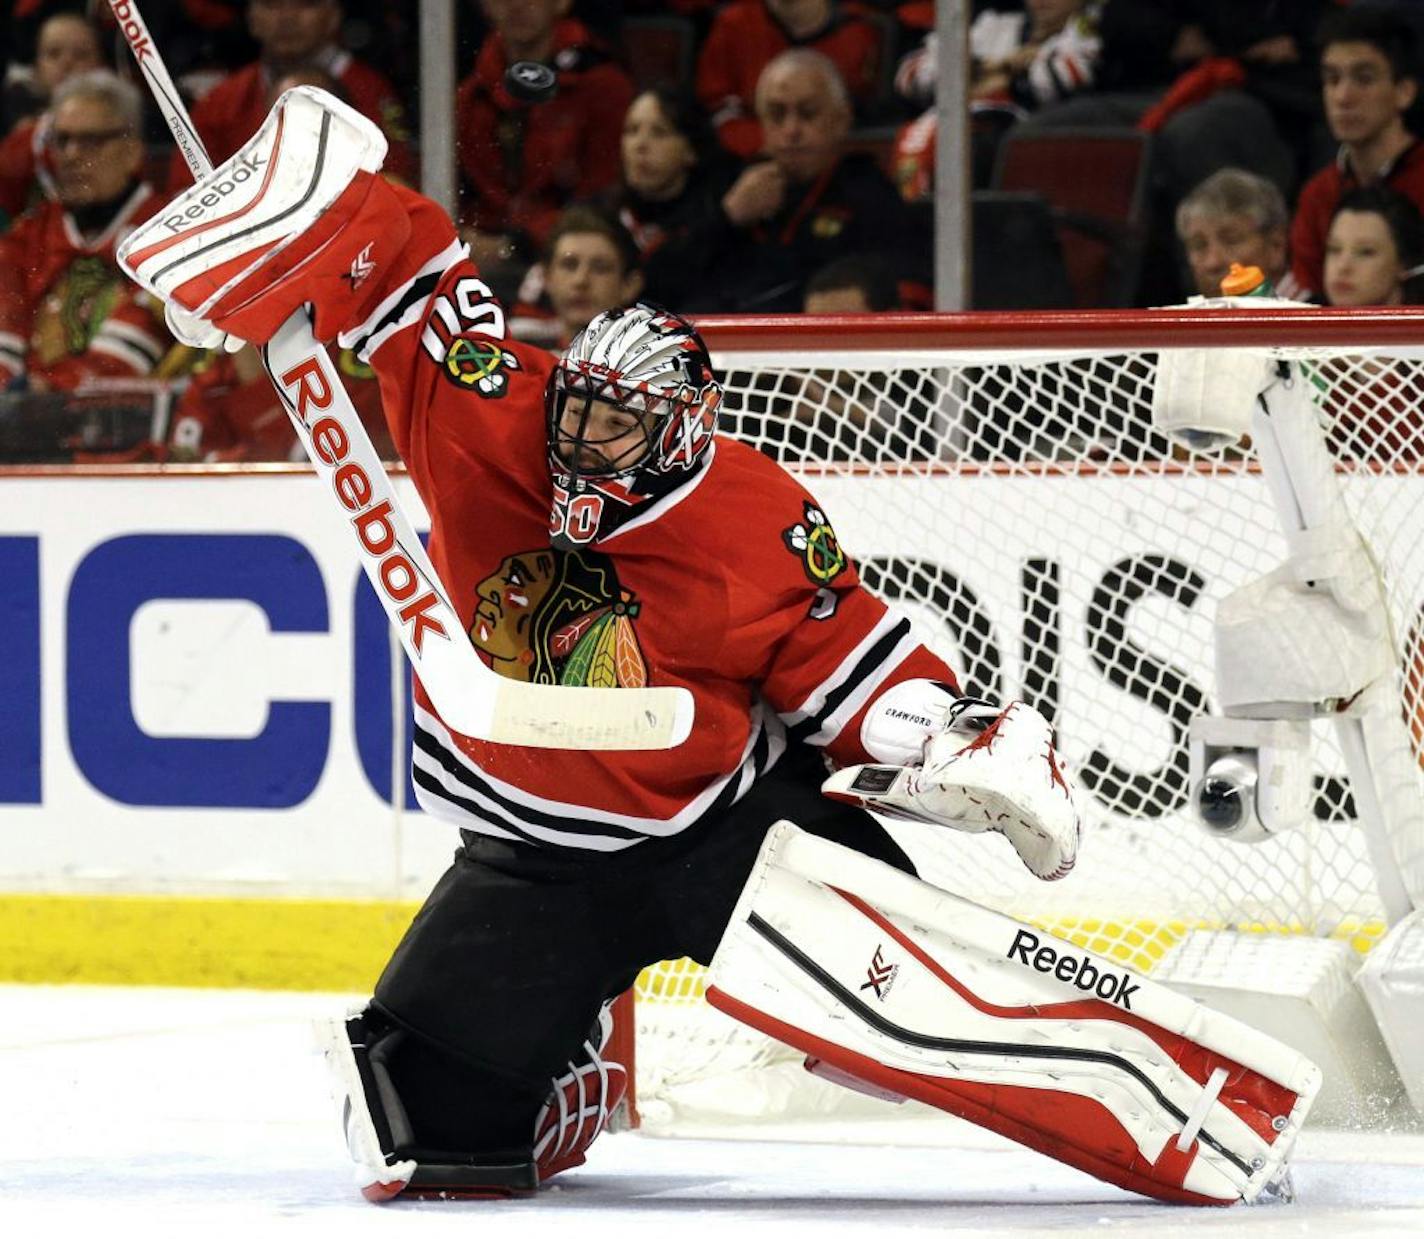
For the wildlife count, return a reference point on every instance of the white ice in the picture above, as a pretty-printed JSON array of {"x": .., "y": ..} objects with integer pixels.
[{"x": 205, "y": 1113}]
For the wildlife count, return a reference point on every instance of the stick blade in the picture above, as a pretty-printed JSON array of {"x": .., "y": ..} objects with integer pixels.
[{"x": 546, "y": 716}]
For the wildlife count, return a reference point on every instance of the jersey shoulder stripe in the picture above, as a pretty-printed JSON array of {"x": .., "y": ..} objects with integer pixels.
[
  {"x": 402, "y": 306},
  {"x": 869, "y": 657}
]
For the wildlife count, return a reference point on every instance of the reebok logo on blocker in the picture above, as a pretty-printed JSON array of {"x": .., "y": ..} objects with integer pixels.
[{"x": 246, "y": 167}]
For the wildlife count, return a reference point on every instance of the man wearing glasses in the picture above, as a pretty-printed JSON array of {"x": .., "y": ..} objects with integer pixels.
[{"x": 67, "y": 313}]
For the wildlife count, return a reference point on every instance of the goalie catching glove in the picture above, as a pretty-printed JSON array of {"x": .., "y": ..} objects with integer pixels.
[
  {"x": 979, "y": 767},
  {"x": 298, "y": 216}
]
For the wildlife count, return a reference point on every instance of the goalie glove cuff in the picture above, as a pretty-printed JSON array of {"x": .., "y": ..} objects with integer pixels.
[
  {"x": 901, "y": 721},
  {"x": 198, "y": 332}
]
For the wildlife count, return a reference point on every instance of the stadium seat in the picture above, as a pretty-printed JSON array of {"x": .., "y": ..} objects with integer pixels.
[
  {"x": 878, "y": 142},
  {"x": 882, "y": 108},
  {"x": 1018, "y": 262},
  {"x": 1095, "y": 184}
]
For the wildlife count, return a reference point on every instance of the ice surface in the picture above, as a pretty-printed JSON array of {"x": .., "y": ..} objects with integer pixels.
[{"x": 205, "y": 1113}]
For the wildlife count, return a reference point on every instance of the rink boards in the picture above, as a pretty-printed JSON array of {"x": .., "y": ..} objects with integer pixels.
[{"x": 202, "y": 716}]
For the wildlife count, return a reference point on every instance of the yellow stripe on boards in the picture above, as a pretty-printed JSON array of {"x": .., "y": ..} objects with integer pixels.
[
  {"x": 223, "y": 943},
  {"x": 343, "y": 945}
]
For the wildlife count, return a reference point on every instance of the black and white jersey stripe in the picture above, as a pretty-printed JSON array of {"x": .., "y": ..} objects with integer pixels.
[
  {"x": 402, "y": 307},
  {"x": 818, "y": 720},
  {"x": 131, "y": 345},
  {"x": 448, "y": 785},
  {"x": 12, "y": 350}
]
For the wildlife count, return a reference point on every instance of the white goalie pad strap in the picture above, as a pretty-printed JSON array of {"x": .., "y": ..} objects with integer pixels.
[
  {"x": 1203, "y": 398},
  {"x": 243, "y": 213},
  {"x": 922, "y": 994},
  {"x": 580, "y": 1105},
  {"x": 1278, "y": 640}
]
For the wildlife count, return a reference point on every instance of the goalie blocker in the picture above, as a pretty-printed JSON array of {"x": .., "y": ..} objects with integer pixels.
[{"x": 902, "y": 990}]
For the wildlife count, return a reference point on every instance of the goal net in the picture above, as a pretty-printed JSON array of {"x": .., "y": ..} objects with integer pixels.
[{"x": 999, "y": 478}]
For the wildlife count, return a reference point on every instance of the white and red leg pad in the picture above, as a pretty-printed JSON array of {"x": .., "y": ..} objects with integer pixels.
[
  {"x": 368, "y": 1133},
  {"x": 914, "y": 992},
  {"x": 378, "y": 1131},
  {"x": 579, "y": 1106}
]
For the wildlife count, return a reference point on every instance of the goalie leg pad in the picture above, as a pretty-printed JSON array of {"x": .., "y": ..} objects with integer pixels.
[
  {"x": 390, "y": 1162},
  {"x": 920, "y": 994},
  {"x": 390, "y": 1158}
]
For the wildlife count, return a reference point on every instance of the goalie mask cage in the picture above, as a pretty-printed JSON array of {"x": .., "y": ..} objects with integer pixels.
[{"x": 998, "y": 477}]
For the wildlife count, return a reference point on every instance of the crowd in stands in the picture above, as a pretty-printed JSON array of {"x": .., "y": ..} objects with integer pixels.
[{"x": 719, "y": 156}]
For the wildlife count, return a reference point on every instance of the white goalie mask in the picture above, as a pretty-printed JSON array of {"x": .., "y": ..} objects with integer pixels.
[{"x": 630, "y": 410}]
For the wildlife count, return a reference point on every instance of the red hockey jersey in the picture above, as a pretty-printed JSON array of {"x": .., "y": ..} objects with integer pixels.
[
  {"x": 745, "y": 37},
  {"x": 526, "y": 164},
  {"x": 732, "y": 586},
  {"x": 234, "y": 109},
  {"x": 67, "y": 312},
  {"x": 231, "y": 412}
]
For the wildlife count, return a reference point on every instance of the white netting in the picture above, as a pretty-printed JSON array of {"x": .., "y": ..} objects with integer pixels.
[{"x": 1053, "y": 547}]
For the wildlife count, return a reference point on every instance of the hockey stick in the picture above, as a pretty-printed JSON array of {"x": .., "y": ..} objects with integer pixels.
[{"x": 470, "y": 697}]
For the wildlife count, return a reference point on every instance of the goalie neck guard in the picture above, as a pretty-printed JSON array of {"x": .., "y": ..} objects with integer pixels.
[{"x": 630, "y": 411}]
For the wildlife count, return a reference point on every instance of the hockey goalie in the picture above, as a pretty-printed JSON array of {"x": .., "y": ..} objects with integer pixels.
[{"x": 594, "y": 530}]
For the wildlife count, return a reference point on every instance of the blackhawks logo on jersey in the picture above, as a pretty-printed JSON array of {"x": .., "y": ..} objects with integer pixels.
[
  {"x": 480, "y": 365},
  {"x": 559, "y": 617},
  {"x": 815, "y": 542},
  {"x": 74, "y": 309}
]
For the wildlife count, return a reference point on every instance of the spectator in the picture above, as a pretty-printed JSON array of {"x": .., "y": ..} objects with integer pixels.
[
  {"x": 230, "y": 411},
  {"x": 747, "y": 35},
  {"x": 1235, "y": 217},
  {"x": 673, "y": 177},
  {"x": 1374, "y": 255},
  {"x": 1020, "y": 62},
  {"x": 1369, "y": 79},
  {"x": 853, "y": 285},
  {"x": 525, "y": 164},
  {"x": 67, "y": 45},
  {"x": 852, "y": 414},
  {"x": 66, "y": 311},
  {"x": 1218, "y": 83},
  {"x": 1039, "y": 56},
  {"x": 591, "y": 265},
  {"x": 808, "y": 203},
  {"x": 294, "y": 35},
  {"x": 1374, "y": 250}
]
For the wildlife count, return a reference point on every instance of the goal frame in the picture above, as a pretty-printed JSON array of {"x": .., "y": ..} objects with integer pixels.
[{"x": 980, "y": 338}]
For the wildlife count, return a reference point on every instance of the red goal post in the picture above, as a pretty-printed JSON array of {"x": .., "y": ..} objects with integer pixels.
[
  {"x": 1269, "y": 327},
  {"x": 999, "y": 476}
]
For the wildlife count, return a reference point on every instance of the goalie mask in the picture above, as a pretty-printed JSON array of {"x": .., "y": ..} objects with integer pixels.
[{"x": 630, "y": 409}]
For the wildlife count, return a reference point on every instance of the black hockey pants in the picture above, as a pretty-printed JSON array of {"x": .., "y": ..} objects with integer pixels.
[{"x": 502, "y": 973}]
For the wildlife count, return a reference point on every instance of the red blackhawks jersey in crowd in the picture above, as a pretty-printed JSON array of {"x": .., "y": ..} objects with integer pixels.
[
  {"x": 230, "y": 412},
  {"x": 746, "y": 36},
  {"x": 234, "y": 109},
  {"x": 732, "y": 586},
  {"x": 67, "y": 313},
  {"x": 1321, "y": 194},
  {"x": 526, "y": 163}
]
